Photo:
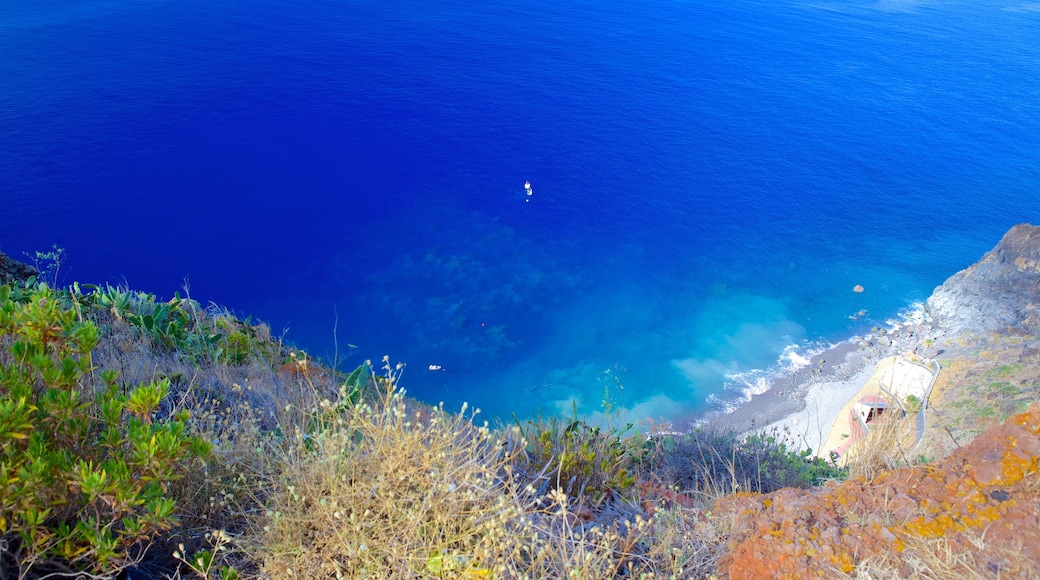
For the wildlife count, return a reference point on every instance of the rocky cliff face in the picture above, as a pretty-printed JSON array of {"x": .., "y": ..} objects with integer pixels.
[
  {"x": 11, "y": 269},
  {"x": 999, "y": 292},
  {"x": 975, "y": 514}
]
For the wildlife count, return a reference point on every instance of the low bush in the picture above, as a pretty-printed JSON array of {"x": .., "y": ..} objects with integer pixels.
[
  {"x": 85, "y": 462},
  {"x": 381, "y": 490},
  {"x": 181, "y": 326},
  {"x": 373, "y": 490},
  {"x": 887, "y": 444},
  {"x": 580, "y": 459},
  {"x": 717, "y": 462}
]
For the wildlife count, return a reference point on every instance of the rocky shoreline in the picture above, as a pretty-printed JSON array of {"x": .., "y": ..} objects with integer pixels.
[
  {"x": 998, "y": 294},
  {"x": 830, "y": 377}
]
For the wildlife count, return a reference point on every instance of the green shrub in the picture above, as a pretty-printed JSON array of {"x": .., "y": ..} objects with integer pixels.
[
  {"x": 580, "y": 459},
  {"x": 1004, "y": 388},
  {"x": 719, "y": 462},
  {"x": 913, "y": 403},
  {"x": 85, "y": 464},
  {"x": 1006, "y": 370},
  {"x": 238, "y": 342},
  {"x": 237, "y": 348}
]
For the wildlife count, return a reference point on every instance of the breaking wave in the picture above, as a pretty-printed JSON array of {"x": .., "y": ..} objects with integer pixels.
[{"x": 740, "y": 387}]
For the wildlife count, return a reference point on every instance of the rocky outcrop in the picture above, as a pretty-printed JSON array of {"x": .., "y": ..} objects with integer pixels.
[
  {"x": 11, "y": 269},
  {"x": 999, "y": 292},
  {"x": 974, "y": 514}
]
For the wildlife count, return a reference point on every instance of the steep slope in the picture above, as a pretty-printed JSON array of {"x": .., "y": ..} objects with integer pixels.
[
  {"x": 1000, "y": 291},
  {"x": 974, "y": 514},
  {"x": 987, "y": 322}
]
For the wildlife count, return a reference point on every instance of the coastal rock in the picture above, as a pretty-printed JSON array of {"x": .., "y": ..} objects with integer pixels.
[
  {"x": 1000, "y": 291},
  {"x": 13, "y": 270},
  {"x": 982, "y": 502}
]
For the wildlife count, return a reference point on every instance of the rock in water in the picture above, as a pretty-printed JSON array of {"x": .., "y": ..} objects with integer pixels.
[{"x": 1000, "y": 291}]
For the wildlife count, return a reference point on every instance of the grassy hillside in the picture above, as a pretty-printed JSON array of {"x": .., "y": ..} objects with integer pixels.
[{"x": 985, "y": 380}]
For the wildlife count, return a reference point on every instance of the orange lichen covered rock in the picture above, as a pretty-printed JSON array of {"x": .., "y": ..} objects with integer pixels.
[{"x": 978, "y": 510}]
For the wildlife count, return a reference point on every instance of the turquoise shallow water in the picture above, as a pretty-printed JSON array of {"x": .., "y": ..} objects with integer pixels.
[{"x": 710, "y": 179}]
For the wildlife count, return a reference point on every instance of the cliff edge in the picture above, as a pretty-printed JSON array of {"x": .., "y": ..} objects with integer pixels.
[
  {"x": 12, "y": 270},
  {"x": 972, "y": 515},
  {"x": 999, "y": 292}
]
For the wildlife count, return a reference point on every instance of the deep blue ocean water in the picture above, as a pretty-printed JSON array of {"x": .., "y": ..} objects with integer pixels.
[{"x": 710, "y": 178}]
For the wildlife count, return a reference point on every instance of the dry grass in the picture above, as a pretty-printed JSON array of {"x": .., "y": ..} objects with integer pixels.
[
  {"x": 937, "y": 559},
  {"x": 384, "y": 492},
  {"x": 380, "y": 490},
  {"x": 301, "y": 484},
  {"x": 886, "y": 445}
]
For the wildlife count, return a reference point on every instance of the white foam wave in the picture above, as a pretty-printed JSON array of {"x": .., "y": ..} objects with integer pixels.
[
  {"x": 749, "y": 383},
  {"x": 744, "y": 385},
  {"x": 795, "y": 359},
  {"x": 721, "y": 405},
  {"x": 914, "y": 314},
  {"x": 740, "y": 387}
]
